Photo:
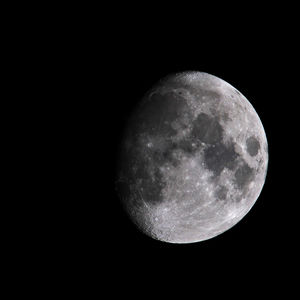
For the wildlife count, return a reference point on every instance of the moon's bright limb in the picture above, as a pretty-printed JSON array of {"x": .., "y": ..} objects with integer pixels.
[{"x": 193, "y": 159}]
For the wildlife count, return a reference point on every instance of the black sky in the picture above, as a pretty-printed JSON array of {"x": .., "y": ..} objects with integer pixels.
[{"x": 124, "y": 60}]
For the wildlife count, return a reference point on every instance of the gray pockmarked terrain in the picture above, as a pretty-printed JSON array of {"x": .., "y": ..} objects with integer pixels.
[{"x": 193, "y": 159}]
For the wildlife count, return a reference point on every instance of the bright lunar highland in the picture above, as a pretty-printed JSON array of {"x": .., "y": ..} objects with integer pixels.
[{"x": 193, "y": 159}]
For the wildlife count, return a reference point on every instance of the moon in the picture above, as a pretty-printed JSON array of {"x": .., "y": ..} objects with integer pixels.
[{"x": 193, "y": 159}]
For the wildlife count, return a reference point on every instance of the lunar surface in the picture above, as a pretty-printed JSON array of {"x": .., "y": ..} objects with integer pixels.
[{"x": 193, "y": 159}]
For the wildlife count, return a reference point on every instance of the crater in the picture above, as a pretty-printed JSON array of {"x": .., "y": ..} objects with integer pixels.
[
  {"x": 252, "y": 146},
  {"x": 237, "y": 92}
]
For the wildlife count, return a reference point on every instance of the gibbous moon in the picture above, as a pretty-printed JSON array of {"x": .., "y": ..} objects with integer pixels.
[{"x": 193, "y": 159}]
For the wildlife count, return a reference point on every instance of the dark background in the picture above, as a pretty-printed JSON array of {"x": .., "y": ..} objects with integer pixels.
[
  {"x": 120, "y": 59},
  {"x": 262, "y": 243},
  {"x": 79, "y": 73}
]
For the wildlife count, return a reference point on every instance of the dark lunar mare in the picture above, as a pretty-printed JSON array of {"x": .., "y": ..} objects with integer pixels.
[
  {"x": 158, "y": 111},
  {"x": 162, "y": 133},
  {"x": 140, "y": 175},
  {"x": 140, "y": 178},
  {"x": 243, "y": 175},
  {"x": 207, "y": 129},
  {"x": 218, "y": 155},
  {"x": 252, "y": 146}
]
